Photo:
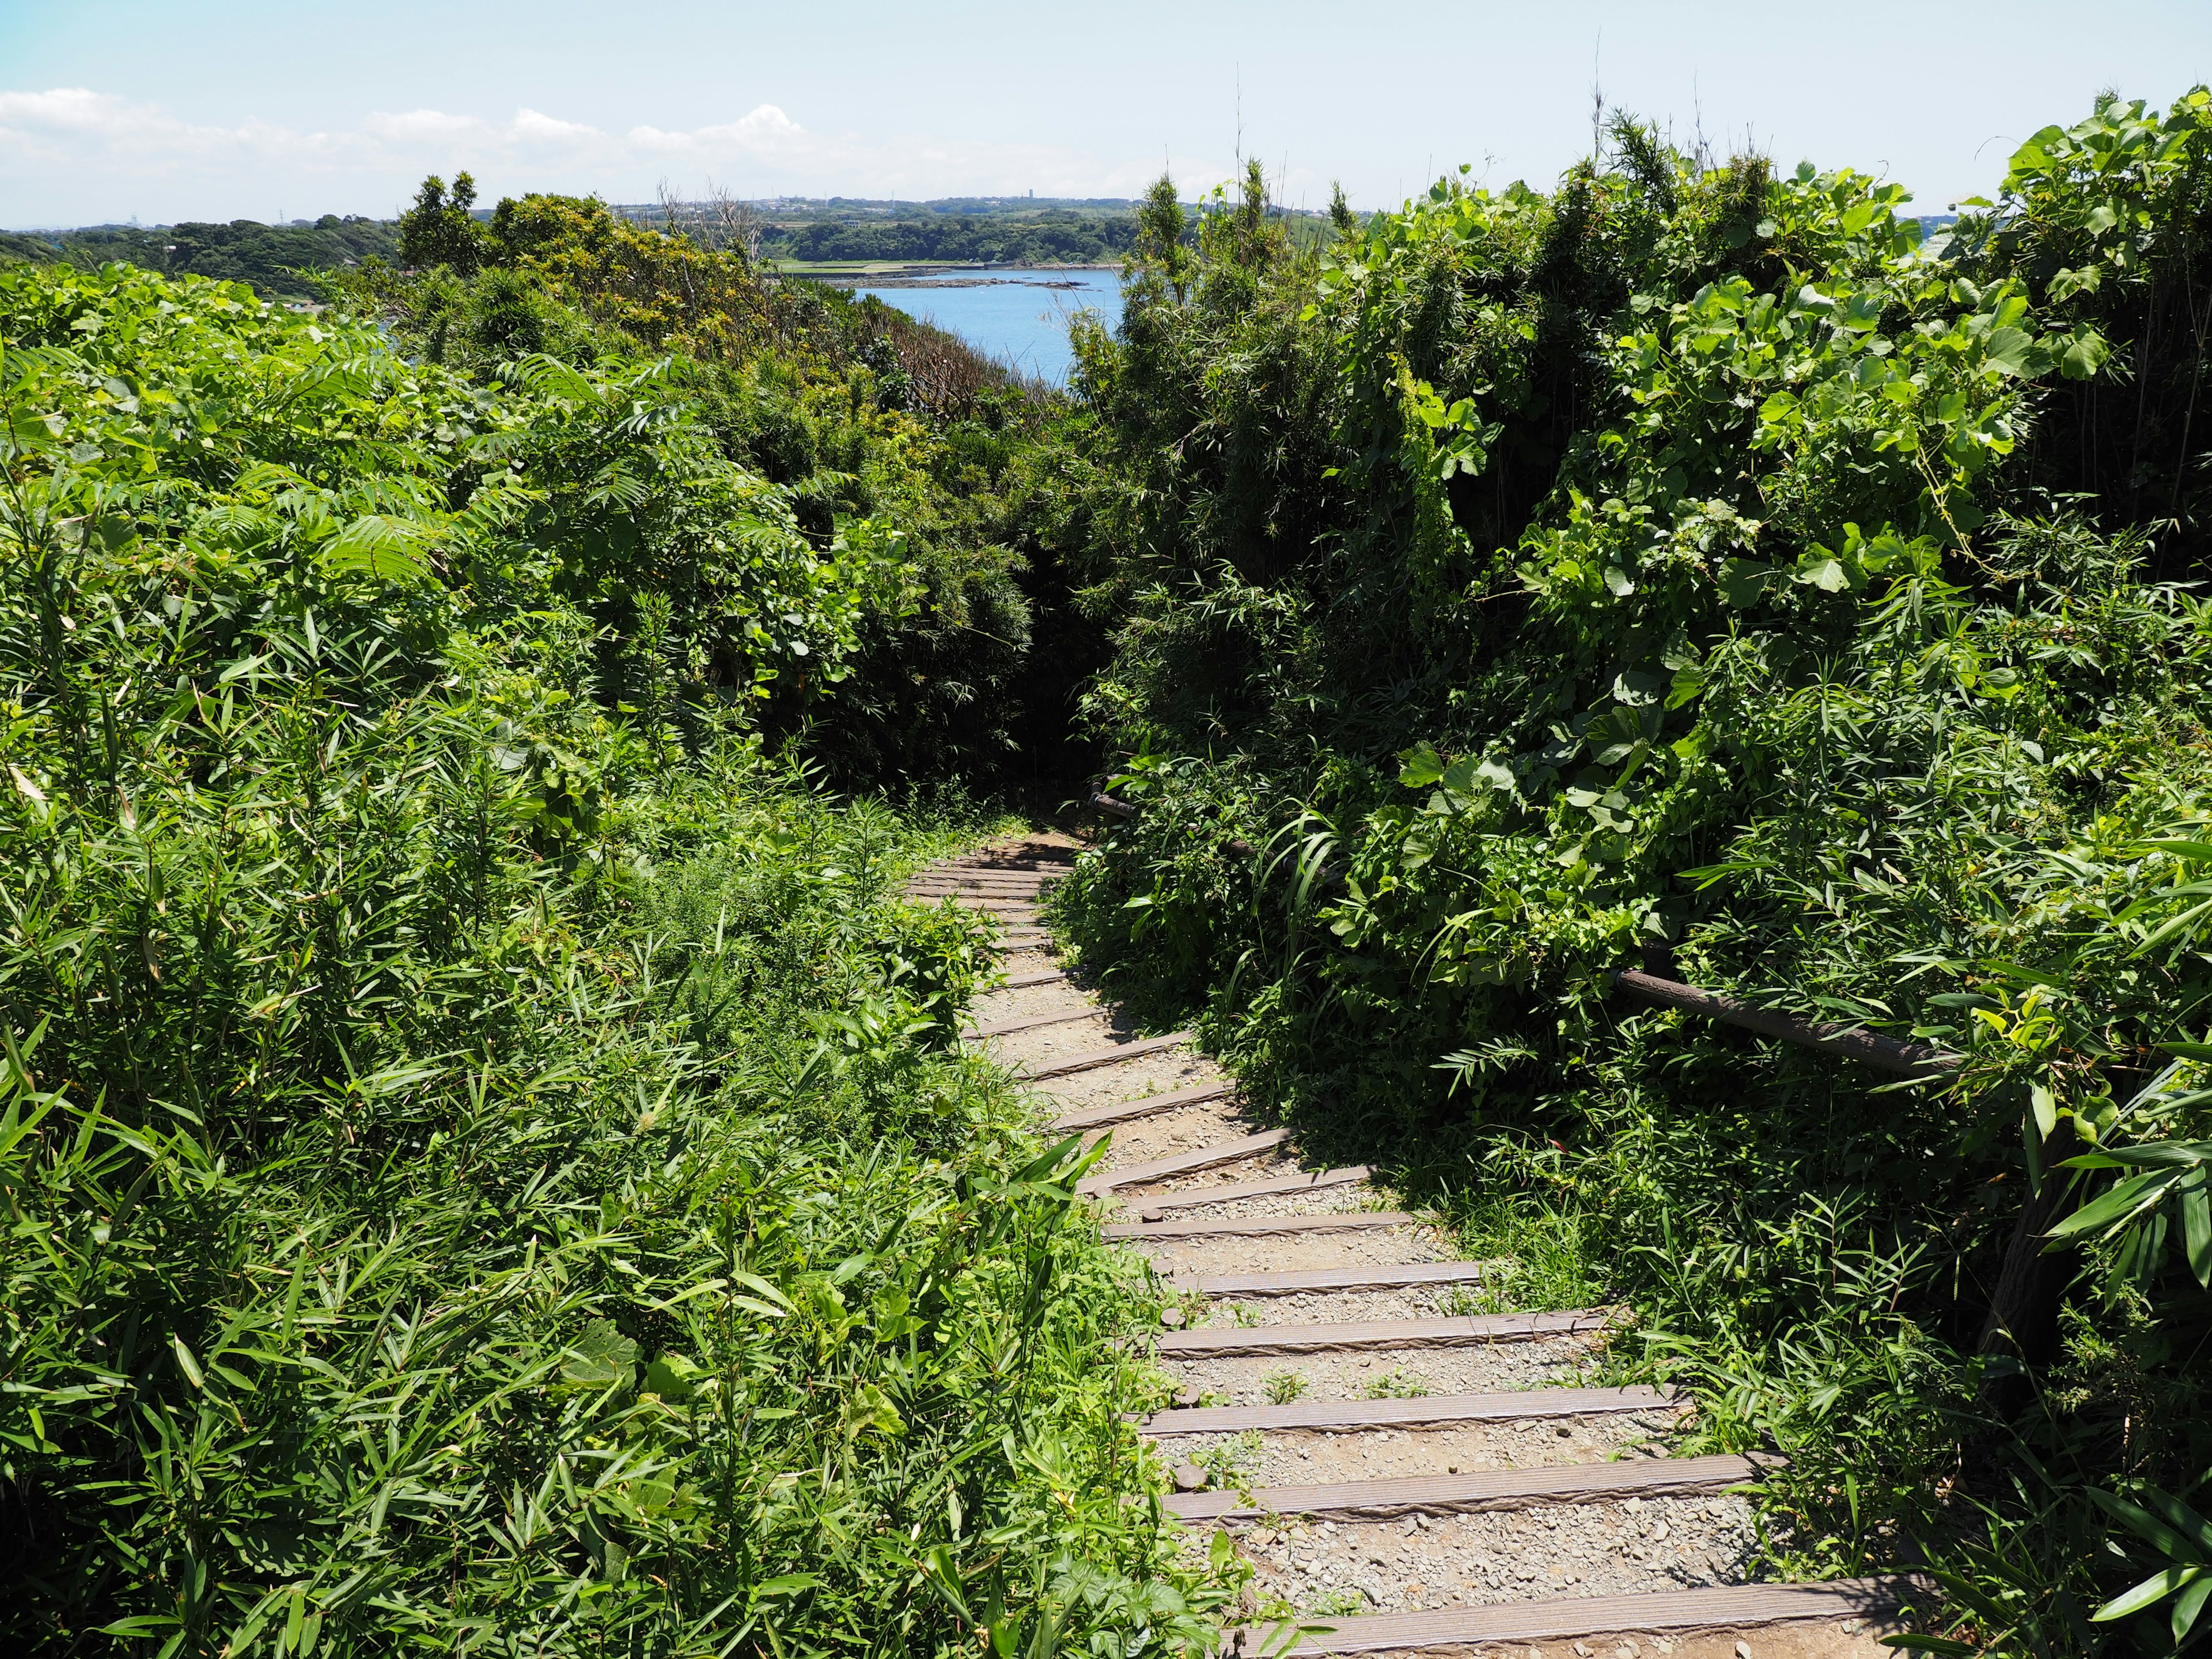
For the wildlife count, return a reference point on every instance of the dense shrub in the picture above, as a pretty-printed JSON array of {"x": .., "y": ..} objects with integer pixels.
[
  {"x": 484, "y": 1163},
  {"x": 1669, "y": 570}
]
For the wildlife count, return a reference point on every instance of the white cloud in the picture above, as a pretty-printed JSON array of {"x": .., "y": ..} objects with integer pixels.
[
  {"x": 72, "y": 156},
  {"x": 421, "y": 125}
]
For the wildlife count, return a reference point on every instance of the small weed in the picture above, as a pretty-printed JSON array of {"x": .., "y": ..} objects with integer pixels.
[
  {"x": 1229, "y": 1463},
  {"x": 1340, "y": 1603},
  {"x": 1396, "y": 1383},
  {"x": 1283, "y": 1387}
]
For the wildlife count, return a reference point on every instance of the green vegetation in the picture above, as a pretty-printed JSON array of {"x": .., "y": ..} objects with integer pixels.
[
  {"x": 876, "y": 428},
  {"x": 486, "y": 1160},
  {"x": 486, "y": 1164},
  {"x": 1695, "y": 567},
  {"x": 278, "y": 261},
  {"x": 1054, "y": 237}
]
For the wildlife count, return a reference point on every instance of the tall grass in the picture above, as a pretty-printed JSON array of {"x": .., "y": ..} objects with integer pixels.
[{"x": 485, "y": 1169}]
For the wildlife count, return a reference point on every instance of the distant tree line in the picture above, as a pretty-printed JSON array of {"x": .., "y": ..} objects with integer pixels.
[
  {"x": 1056, "y": 238},
  {"x": 270, "y": 259}
]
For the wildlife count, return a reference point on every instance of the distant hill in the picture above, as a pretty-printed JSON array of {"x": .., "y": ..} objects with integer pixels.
[
  {"x": 807, "y": 209},
  {"x": 267, "y": 258},
  {"x": 1058, "y": 236},
  {"x": 1000, "y": 230}
]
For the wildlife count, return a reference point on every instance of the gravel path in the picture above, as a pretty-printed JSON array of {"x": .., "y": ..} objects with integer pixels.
[
  {"x": 1291, "y": 1457},
  {"x": 1548, "y": 1550},
  {"x": 1252, "y": 1380},
  {"x": 1582, "y": 1549}
]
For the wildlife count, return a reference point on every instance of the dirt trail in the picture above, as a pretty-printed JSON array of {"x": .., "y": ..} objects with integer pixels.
[{"x": 1412, "y": 1478}]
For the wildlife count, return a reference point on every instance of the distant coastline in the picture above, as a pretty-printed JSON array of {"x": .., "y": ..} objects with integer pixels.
[{"x": 902, "y": 275}]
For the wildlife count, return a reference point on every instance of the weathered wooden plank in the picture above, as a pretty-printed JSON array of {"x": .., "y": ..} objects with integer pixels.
[
  {"x": 1256, "y": 1226},
  {"x": 1027, "y": 892},
  {"x": 1720, "y": 1607},
  {"x": 1349, "y": 1335},
  {"x": 1008, "y": 1027},
  {"x": 1143, "y": 1106},
  {"x": 1393, "y": 1277},
  {"x": 1154, "y": 1206},
  {"x": 1181, "y": 1164},
  {"x": 1136, "y": 1050},
  {"x": 968, "y": 898},
  {"x": 1481, "y": 1491},
  {"x": 1026, "y": 981},
  {"x": 1350, "y": 1414},
  {"x": 1029, "y": 881}
]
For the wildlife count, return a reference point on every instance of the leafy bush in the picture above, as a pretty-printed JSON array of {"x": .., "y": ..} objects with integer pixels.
[
  {"x": 860, "y": 414},
  {"x": 1663, "y": 571},
  {"x": 484, "y": 1161}
]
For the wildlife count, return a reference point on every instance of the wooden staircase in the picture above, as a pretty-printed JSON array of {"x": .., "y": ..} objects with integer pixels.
[{"x": 1405, "y": 1474}]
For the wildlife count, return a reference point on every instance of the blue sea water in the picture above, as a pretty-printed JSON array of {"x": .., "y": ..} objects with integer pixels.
[{"x": 1011, "y": 315}]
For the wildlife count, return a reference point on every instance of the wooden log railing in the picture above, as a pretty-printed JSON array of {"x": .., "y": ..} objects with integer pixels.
[{"x": 1914, "y": 1060}]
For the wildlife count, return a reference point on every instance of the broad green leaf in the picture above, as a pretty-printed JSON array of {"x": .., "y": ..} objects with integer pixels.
[
  {"x": 868, "y": 1410},
  {"x": 1825, "y": 573},
  {"x": 1420, "y": 766},
  {"x": 36, "y": 432},
  {"x": 2011, "y": 351},
  {"x": 674, "y": 1377},
  {"x": 601, "y": 1357},
  {"x": 1743, "y": 581},
  {"x": 2088, "y": 353},
  {"x": 2148, "y": 1594},
  {"x": 1459, "y": 777}
]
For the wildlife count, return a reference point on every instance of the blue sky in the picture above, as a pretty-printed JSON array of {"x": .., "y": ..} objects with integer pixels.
[{"x": 242, "y": 108}]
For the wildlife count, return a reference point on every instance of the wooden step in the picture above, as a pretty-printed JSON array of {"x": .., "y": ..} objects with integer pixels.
[
  {"x": 1114, "y": 1056},
  {"x": 969, "y": 899},
  {"x": 1154, "y": 1206},
  {"x": 1026, "y": 939},
  {"x": 1024, "y": 891},
  {"x": 1431, "y": 1409},
  {"x": 977, "y": 880},
  {"x": 1007, "y": 1027},
  {"x": 1298, "y": 1279},
  {"x": 1026, "y": 981},
  {"x": 1006, "y": 909},
  {"x": 1482, "y": 1491},
  {"x": 1121, "y": 1111},
  {"x": 1256, "y": 1226},
  {"x": 1721, "y": 1606},
  {"x": 1183, "y": 1163},
  {"x": 1345, "y": 1336}
]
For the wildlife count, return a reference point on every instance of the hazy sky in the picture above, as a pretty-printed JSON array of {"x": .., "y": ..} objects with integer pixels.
[{"x": 220, "y": 109}]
